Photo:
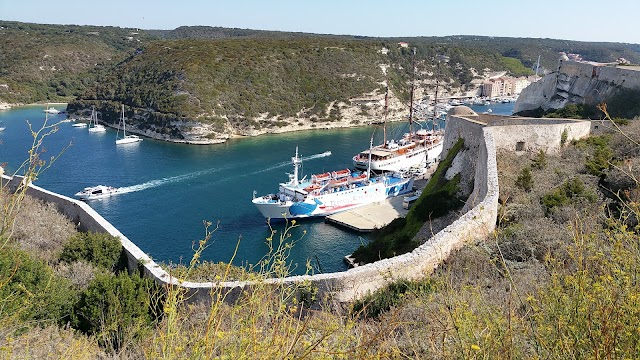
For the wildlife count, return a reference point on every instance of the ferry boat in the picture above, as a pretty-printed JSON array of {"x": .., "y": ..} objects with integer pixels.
[
  {"x": 97, "y": 192},
  {"x": 328, "y": 193}
]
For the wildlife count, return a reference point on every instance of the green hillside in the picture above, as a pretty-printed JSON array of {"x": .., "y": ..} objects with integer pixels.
[
  {"x": 241, "y": 79},
  {"x": 56, "y": 62},
  {"x": 236, "y": 78}
]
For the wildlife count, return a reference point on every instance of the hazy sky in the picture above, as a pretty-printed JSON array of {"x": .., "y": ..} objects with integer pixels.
[{"x": 585, "y": 20}]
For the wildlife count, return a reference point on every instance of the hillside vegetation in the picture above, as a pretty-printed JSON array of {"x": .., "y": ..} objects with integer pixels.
[{"x": 41, "y": 63}]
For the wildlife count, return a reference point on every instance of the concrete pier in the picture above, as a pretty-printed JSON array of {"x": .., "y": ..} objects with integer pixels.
[
  {"x": 374, "y": 216},
  {"x": 369, "y": 217}
]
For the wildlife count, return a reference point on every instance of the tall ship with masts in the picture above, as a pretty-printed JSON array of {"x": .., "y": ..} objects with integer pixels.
[{"x": 412, "y": 149}]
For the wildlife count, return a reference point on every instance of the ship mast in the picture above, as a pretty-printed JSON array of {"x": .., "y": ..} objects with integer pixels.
[
  {"x": 296, "y": 164},
  {"x": 369, "y": 165},
  {"x": 386, "y": 109},
  {"x": 435, "y": 101},
  {"x": 413, "y": 79}
]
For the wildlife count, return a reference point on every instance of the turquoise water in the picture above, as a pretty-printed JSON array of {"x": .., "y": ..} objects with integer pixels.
[{"x": 173, "y": 188}]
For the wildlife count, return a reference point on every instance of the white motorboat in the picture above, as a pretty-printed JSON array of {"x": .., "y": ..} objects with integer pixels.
[
  {"x": 328, "y": 193},
  {"x": 79, "y": 125},
  {"x": 125, "y": 139},
  {"x": 51, "y": 110},
  {"x": 94, "y": 127},
  {"x": 97, "y": 192}
]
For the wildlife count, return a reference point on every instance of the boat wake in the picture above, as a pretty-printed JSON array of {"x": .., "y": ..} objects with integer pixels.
[
  {"x": 287, "y": 163},
  {"x": 163, "y": 181}
]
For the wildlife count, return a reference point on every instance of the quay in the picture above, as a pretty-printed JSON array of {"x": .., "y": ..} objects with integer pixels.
[{"x": 374, "y": 216}]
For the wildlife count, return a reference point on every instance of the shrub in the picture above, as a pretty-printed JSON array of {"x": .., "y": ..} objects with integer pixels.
[
  {"x": 392, "y": 295},
  {"x": 99, "y": 249},
  {"x": 524, "y": 180},
  {"x": 600, "y": 161},
  {"x": 569, "y": 191},
  {"x": 115, "y": 308},
  {"x": 563, "y": 137},
  {"x": 540, "y": 160},
  {"x": 30, "y": 291}
]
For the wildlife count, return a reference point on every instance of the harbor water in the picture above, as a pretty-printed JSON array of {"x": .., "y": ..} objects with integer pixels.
[{"x": 170, "y": 189}]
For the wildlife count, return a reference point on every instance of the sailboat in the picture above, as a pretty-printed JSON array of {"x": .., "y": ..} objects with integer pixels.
[
  {"x": 412, "y": 150},
  {"x": 94, "y": 127},
  {"x": 125, "y": 139}
]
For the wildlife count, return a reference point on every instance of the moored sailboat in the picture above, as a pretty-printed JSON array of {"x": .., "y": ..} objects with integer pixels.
[
  {"x": 125, "y": 139},
  {"x": 94, "y": 127}
]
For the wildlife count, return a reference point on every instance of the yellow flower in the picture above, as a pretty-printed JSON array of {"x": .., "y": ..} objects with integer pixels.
[{"x": 475, "y": 347}]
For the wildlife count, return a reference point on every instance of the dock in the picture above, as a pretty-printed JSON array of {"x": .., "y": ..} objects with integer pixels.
[{"x": 369, "y": 217}]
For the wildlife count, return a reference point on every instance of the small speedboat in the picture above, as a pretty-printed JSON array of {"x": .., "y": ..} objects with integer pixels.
[
  {"x": 80, "y": 125},
  {"x": 52, "y": 110},
  {"x": 97, "y": 192}
]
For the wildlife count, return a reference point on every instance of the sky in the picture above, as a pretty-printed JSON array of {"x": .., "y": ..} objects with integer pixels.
[{"x": 582, "y": 20}]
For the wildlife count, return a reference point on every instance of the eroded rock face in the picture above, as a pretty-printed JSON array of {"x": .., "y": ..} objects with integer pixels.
[{"x": 577, "y": 82}]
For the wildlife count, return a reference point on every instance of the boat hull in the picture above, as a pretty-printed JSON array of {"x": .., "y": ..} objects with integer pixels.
[
  {"x": 97, "y": 129},
  {"x": 395, "y": 163},
  {"x": 400, "y": 162},
  {"x": 128, "y": 140}
]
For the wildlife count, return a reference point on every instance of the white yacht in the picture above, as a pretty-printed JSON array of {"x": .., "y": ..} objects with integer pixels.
[
  {"x": 97, "y": 192},
  {"x": 51, "y": 110},
  {"x": 125, "y": 139}
]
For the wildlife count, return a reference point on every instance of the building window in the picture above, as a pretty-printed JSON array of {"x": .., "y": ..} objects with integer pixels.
[{"x": 520, "y": 146}]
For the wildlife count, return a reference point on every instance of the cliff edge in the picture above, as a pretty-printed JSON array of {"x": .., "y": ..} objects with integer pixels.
[{"x": 578, "y": 82}]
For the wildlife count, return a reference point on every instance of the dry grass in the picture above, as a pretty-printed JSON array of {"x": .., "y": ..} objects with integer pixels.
[
  {"x": 51, "y": 342},
  {"x": 39, "y": 228}
]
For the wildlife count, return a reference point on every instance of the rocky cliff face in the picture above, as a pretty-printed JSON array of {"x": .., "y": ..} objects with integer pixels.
[{"x": 577, "y": 82}]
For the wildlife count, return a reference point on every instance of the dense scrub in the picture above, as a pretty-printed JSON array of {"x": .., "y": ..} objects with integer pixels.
[{"x": 56, "y": 62}]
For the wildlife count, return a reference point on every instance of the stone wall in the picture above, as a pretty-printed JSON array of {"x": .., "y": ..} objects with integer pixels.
[{"x": 479, "y": 159}]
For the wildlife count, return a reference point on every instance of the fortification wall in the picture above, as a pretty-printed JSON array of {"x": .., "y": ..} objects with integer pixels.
[
  {"x": 472, "y": 131},
  {"x": 533, "y": 135}
]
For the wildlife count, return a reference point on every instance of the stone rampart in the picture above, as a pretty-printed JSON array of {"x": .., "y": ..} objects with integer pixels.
[{"x": 479, "y": 155}]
